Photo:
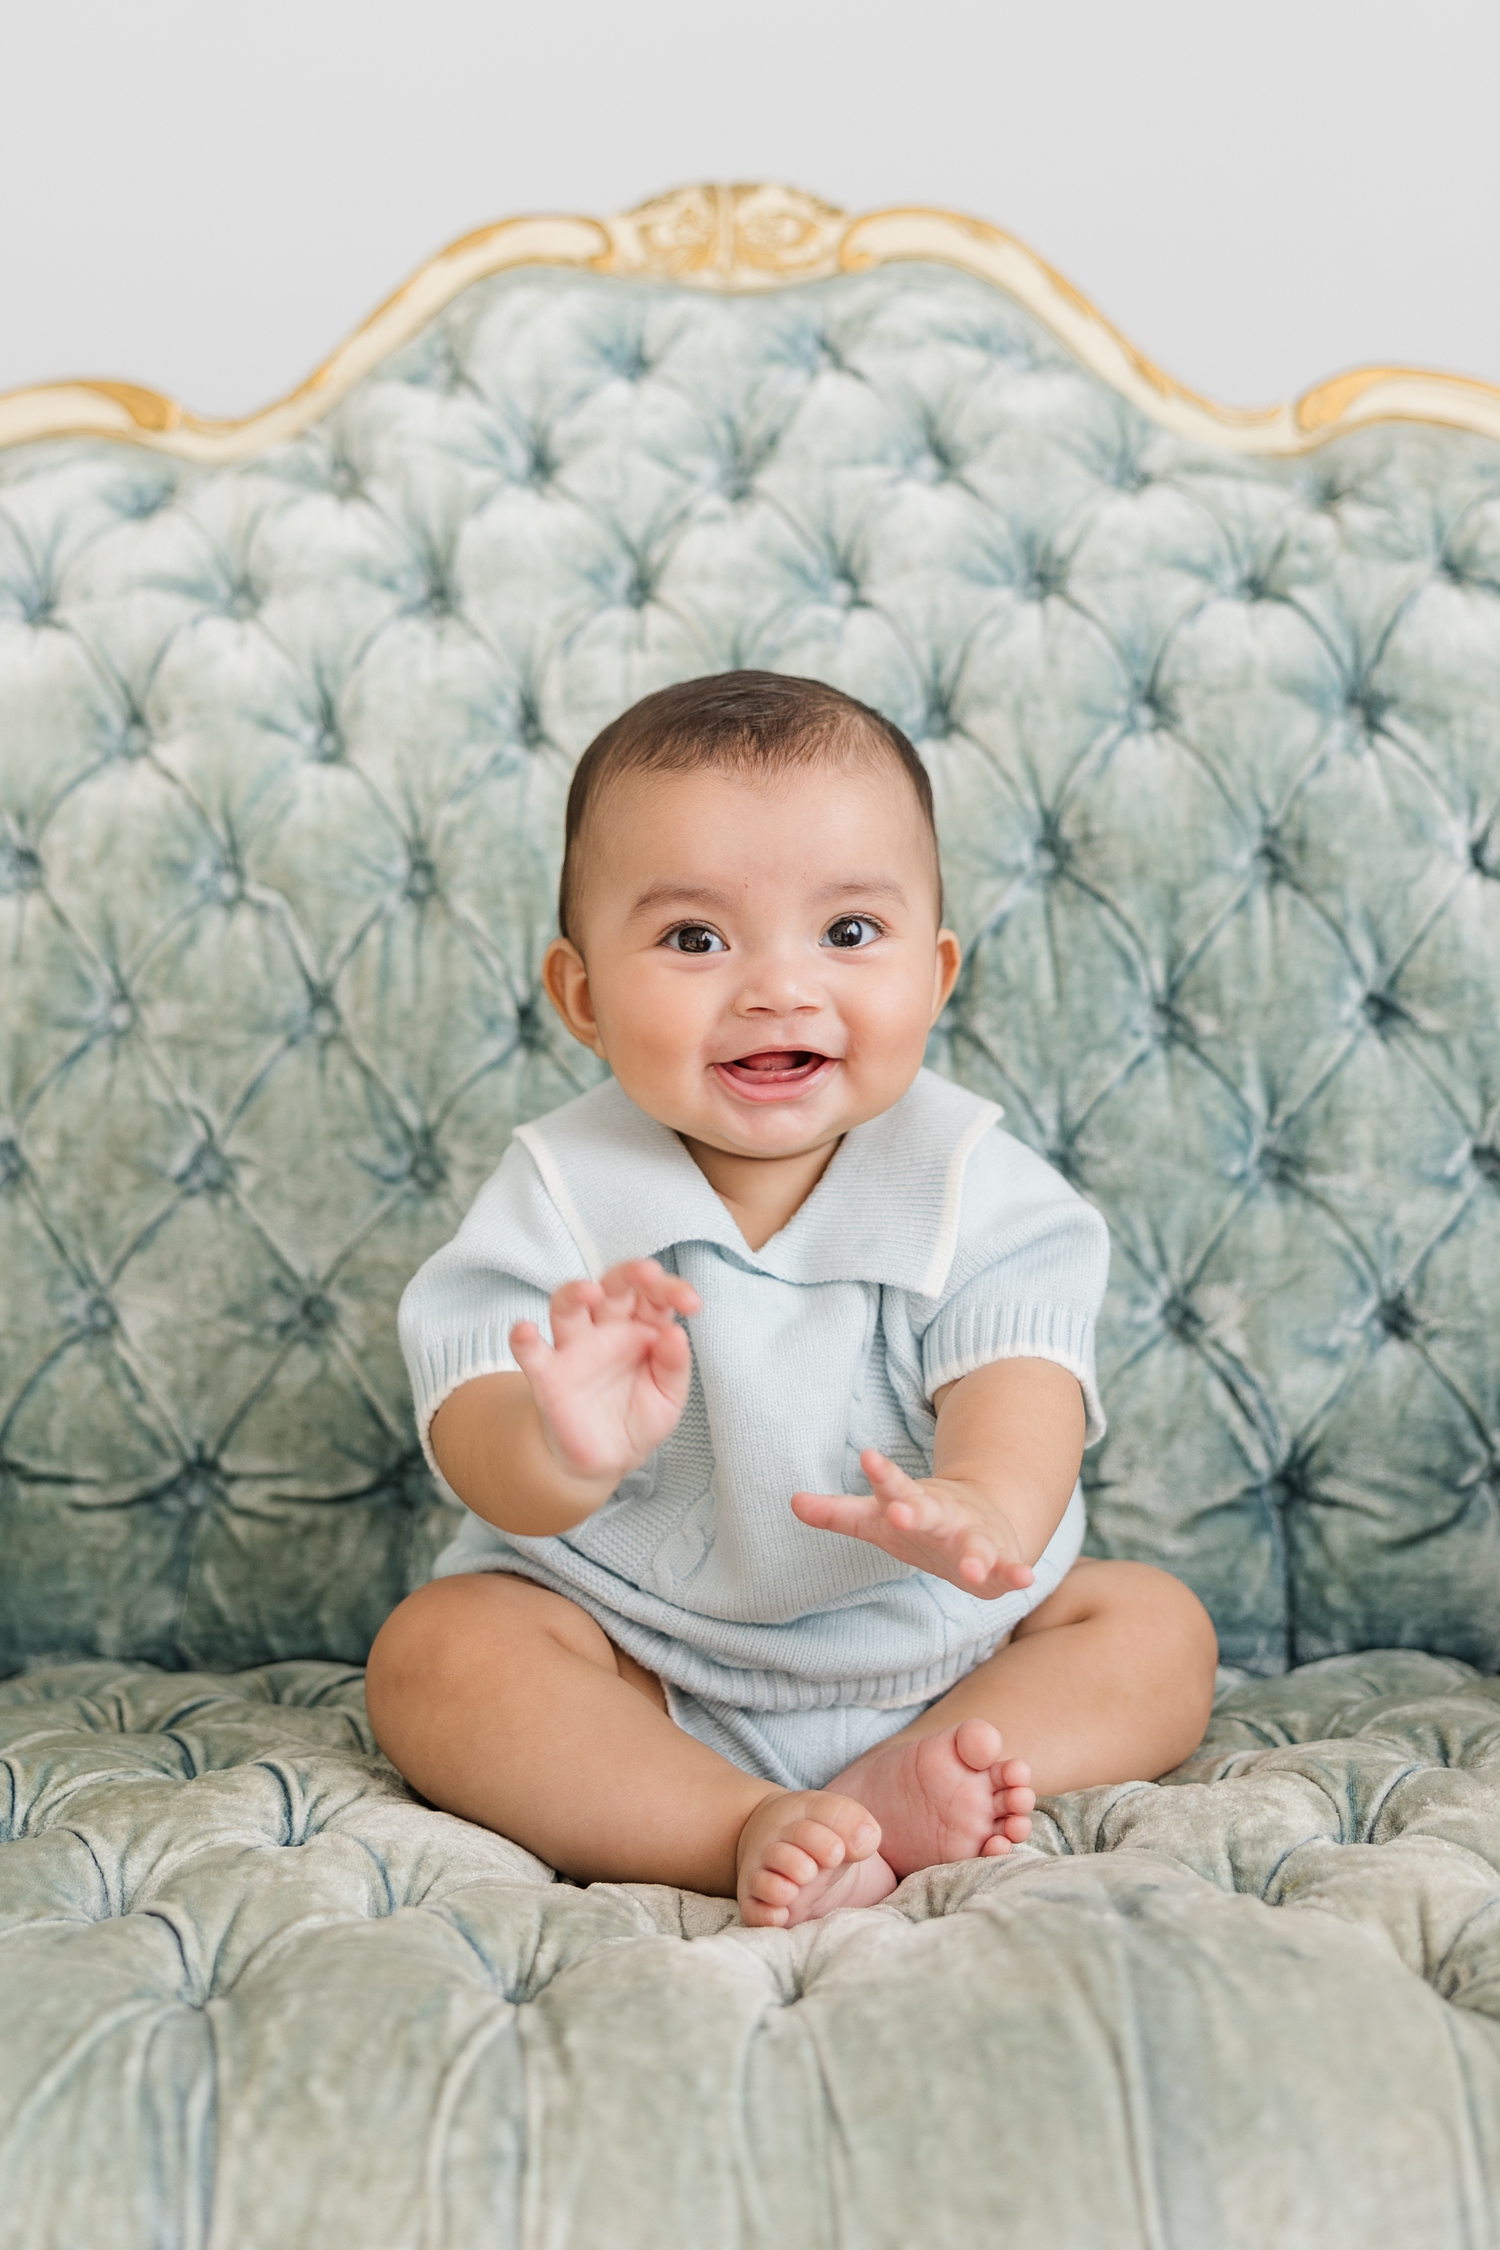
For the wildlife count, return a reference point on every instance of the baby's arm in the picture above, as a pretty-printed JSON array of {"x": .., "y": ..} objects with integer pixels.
[
  {"x": 536, "y": 1453},
  {"x": 1005, "y": 1460}
]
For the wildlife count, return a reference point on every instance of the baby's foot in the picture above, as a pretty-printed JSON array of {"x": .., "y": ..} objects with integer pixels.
[
  {"x": 943, "y": 1797},
  {"x": 803, "y": 1852}
]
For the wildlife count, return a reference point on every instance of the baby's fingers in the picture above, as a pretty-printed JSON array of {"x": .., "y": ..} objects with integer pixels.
[
  {"x": 573, "y": 1309},
  {"x": 904, "y": 1502},
  {"x": 652, "y": 1288},
  {"x": 855, "y": 1514},
  {"x": 529, "y": 1347},
  {"x": 977, "y": 1557}
]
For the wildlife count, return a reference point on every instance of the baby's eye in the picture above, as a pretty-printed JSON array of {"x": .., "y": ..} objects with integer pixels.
[
  {"x": 851, "y": 931},
  {"x": 694, "y": 937}
]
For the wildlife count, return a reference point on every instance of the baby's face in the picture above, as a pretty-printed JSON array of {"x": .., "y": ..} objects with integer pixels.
[{"x": 758, "y": 962}]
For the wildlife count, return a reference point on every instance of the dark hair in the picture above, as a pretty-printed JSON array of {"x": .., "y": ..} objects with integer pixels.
[{"x": 744, "y": 722}]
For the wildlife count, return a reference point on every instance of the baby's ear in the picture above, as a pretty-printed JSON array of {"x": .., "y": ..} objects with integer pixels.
[
  {"x": 950, "y": 959},
  {"x": 565, "y": 979}
]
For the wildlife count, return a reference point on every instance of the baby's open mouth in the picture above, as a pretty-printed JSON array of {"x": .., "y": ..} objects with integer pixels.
[{"x": 775, "y": 1070}]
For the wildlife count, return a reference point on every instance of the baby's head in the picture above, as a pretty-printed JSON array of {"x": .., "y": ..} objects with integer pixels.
[{"x": 751, "y": 911}]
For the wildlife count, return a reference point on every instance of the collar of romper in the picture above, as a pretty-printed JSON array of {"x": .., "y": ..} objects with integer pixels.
[{"x": 886, "y": 1210}]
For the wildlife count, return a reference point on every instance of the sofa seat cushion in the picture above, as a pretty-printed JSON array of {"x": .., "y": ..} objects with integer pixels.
[{"x": 255, "y": 1993}]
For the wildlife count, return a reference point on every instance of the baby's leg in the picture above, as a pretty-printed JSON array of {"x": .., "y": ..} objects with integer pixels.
[
  {"x": 508, "y": 1705},
  {"x": 1110, "y": 1679}
]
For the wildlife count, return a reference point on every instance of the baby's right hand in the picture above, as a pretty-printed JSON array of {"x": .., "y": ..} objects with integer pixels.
[{"x": 611, "y": 1386}]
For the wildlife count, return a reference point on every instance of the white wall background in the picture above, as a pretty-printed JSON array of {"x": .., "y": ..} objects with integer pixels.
[{"x": 203, "y": 195}]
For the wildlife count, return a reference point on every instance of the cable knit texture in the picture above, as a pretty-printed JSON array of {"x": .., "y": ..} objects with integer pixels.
[{"x": 805, "y": 1352}]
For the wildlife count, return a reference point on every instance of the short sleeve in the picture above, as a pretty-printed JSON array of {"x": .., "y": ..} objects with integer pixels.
[
  {"x": 1028, "y": 1276},
  {"x": 502, "y": 1266}
]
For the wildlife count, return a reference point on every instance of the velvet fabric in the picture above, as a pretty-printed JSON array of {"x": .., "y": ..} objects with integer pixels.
[{"x": 283, "y": 751}]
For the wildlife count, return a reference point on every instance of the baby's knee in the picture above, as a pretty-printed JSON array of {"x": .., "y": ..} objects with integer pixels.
[
  {"x": 1175, "y": 1613},
  {"x": 451, "y": 1632},
  {"x": 410, "y": 1652},
  {"x": 427, "y": 1642},
  {"x": 1162, "y": 1612}
]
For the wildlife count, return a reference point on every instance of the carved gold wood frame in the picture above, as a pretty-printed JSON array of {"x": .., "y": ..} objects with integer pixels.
[{"x": 754, "y": 238}]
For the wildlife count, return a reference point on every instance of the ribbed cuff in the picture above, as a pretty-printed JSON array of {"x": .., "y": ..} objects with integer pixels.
[
  {"x": 968, "y": 1337},
  {"x": 440, "y": 1370}
]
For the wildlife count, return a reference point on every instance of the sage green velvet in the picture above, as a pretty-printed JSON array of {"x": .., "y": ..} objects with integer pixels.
[
  {"x": 283, "y": 749},
  {"x": 269, "y": 2002}
]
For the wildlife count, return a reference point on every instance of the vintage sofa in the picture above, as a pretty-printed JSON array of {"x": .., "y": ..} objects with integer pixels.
[{"x": 287, "y": 711}]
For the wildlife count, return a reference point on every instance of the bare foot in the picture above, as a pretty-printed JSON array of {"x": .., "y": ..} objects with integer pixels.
[
  {"x": 803, "y": 1852},
  {"x": 943, "y": 1796}
]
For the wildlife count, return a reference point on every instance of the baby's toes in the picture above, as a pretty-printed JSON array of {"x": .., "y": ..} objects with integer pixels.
[
  {"x": 1013, "y": 1810},
  {"x": 1014, "y": 1801},
  {"x": 772, "y": 1889},
  {"x": 978, "y": 1745},
  {"x": 813, "y": 1843},
  {"x": 783, "y": 1872}
]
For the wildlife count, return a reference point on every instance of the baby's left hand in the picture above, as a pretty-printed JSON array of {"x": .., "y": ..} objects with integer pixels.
[{"x": 938, "y": 1525}]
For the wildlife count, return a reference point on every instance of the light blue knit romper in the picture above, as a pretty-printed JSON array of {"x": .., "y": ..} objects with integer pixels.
[{"x": 933, "y": 1244}]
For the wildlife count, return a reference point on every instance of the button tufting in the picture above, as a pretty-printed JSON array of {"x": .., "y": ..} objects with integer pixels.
[
  {"x": 1396, "y": 1317},
  {"x": 640, "y": 587},
  {"x": 1181, "y": 1318},
  {"x": 1272, "y": 857},
  {"x": 1063, "y": 1154},
  {"x": 1368, "y": 709},
  {"x": 1282, "y": 1167},
  {"x": 20, "y": 867},
  {"x": 1385, "y": 1012},
  {"x": 208, "y": 1171},
  {"x": 1173, "y": 966},
  {"x": 529, "y": 728},
  {"x": 1171, "y": 1025},
  {"x": 1294, "y": 1482},
  {"x": 198, "y": 1485},
  {"x": 139, "y": 502},
  {"x": 1053, "y": 849},
  {"x": 421, "y": 879},
  {"x": 426, "y": 1168},
  {"x": 315, "y": 1313},
  {"x": 225, "y": 883}
]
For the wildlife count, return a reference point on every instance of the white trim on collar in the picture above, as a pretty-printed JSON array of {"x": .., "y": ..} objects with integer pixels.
[{"x": 886, "y": 1210}]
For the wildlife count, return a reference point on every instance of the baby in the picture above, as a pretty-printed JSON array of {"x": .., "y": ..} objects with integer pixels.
[{"x": 771, "y": 1259}]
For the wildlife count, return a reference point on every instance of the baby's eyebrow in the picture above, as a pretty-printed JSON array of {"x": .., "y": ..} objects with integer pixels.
[
  {"x": 704, "y": 894},
  {"x": 678, "y": 894},
  {"x": 861, "y": 886}
]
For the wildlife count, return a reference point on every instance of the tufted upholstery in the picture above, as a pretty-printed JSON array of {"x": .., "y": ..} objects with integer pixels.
[
  {"x": 282, "y": 755},
  {"x": 271, "y": 2001},
  {"x": 282, "y": 752}
]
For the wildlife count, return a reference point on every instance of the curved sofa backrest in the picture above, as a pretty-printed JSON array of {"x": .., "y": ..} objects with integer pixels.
[{"x": 283, "y": 751}]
